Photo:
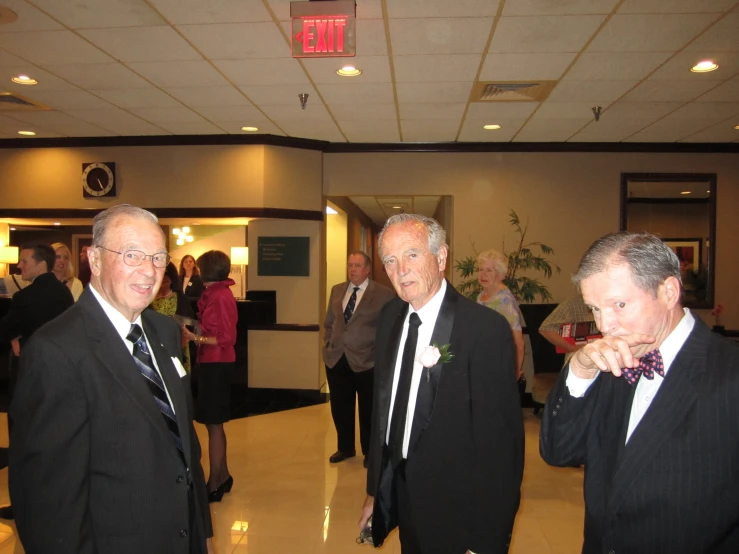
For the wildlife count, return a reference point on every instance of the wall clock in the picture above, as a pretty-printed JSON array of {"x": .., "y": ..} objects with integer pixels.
[{"x": 98, "y": 179}]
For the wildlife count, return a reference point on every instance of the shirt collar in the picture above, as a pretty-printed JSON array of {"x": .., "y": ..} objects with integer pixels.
[
  {"x": 362, "y": 287},
  {"x": 675, "y": 340},
  {"x": 119, "y": 321}
]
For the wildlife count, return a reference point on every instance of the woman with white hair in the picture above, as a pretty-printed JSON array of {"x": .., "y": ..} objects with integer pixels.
[
  {"x": 64, "y": 270},
  {"x": 492, "y": 267}
]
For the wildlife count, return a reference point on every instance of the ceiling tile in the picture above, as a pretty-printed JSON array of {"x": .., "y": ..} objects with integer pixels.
[
  {"x": 610, "y": 130},
  {"x": 433, "y": 92},
  {"x": 237, "y": 41},
  {"x": 63, "y": 124},
  {"x": 265, "y": 127},
  {"x": 499, "y": 110},
  {"x": 722, "y": 37},
  {"x": 668, "y": 130},
  {"x": 429, "y": 69},
  {"x": 582, "y": 111},
  {"x": 678, "y": 68},
  {"x": 118, "y": 121},
  {"x": 371, "y": 131},
  {"x": 675, "y": 6},
  {"x": 87, "y": 14},
  {"x": 547, "y": 7},
  {"x": 626, "y": 66},
  {"x": 708, "y": 112},
  {"x": 46, "y": 81},
  {"x": 317, "y": 130},
  {"x": 371, "y": 38},
  {"x": 550, "y": 130},
  {"x": 589, "y": 91},
  {"x": 525, "y": 67},
  {"x": 417, "y": 130},
  {"x": 182, "y": 12},
  {"x": 356, "y": 93},
  {"x": 295, "y": 114},
  {"x": 209, "y": 96},
  {"x": 138, "y": 98},
  {"x": 472, "y": 130},
  {"x": 178, "y": 74},
  {"x": 434, "y": 111},
  {"x": 649, "y": 33},
  {"x": 192, "y": 128},
  {"x": 102, "y": 76},
  {"x": 643, "y": 111},
  {"x": 9, "y": 60},
  {"x": 442, "y": 8},
  {"x": 366, "y": 9},
  {"x": 29, "y": 18},
  {"x": 375, "y": 69},
  {"x": 52, "y": 47},
  {"x": 69, "y": 100},
  {"x": 263, "y": 72},
  {"x": 275, "y": 95},
  {"x": 364, "y": 112},
  {"x": 229, "y": 113},
  {"x": 544, "y": 33},
  {"x": 653, "y": 90},
  {"x": 721, "y": 132},
  {"x": 142, "y": 44},
  {"x": 728, "y": 92},
  {"x": 167, "y": 115},
  {"x": 439, "y": 36}
]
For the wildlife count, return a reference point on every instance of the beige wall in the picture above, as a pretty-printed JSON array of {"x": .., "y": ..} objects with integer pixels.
[
  {"x": 568, "y": 199},
  {"x": 336, "y": 241},
  {"x": 292, "y": 178}
]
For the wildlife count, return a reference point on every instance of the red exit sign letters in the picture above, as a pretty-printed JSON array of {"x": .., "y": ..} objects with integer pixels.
[{"x": 327, "y": 31}]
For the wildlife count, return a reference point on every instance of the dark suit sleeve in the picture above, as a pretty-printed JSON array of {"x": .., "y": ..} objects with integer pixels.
[
  {"x": 51, "y": 438},
  {"x": 498, "y": 435},
  {"x": 564, "y": 425},
  {"x": 16, "y": 322},
  {"x": 328, "y": 323}
]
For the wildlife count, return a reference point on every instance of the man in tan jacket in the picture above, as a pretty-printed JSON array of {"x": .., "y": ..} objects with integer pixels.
[{"x": 349, "y": 351}]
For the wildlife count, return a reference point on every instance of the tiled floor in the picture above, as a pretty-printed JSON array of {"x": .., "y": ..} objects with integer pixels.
[{"x": 288, "y": 499}]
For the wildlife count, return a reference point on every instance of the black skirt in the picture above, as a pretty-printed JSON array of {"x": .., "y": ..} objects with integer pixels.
[{"x": 213, "y": 404}]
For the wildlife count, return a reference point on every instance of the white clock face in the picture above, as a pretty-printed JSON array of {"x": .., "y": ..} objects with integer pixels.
[{"x": 97, "y": 179}]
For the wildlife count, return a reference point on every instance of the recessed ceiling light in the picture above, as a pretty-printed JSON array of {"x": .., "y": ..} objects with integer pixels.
[
  {"x": 686, "y": 192},
  {"x": 349, "y": 71},
  {"x": 704, "y": 67},
  {"x": 331, "y": 211},
  {"x": 250, "y": 129},
  {"x": 12, "y": 228},
  {"x": 396, "y": 207},
  {"x": 27, "y": 133},
  {"x": 493, "y": 127},
  {"x": 24, "y": 80},
  {"x": 57, "y": 223},
  {"x": 736, "y": 127}
]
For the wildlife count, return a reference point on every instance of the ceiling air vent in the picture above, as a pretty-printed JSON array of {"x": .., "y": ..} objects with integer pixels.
[
  {"x": 10, "y": 102},
  {"x": 512, "y": 91}
]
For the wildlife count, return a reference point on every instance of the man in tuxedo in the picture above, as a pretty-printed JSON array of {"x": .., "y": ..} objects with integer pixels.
[
  {"x": 349, "y": 352},
  {"x": 447, "y": 445},
  {"x": 104, "y": 457},
  {"x": 44, "y": 299},
  {"x": 650, "y": 410}
]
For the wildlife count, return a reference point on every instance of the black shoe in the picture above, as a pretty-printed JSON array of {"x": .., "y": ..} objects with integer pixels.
[
  {"x": 340, "y": 456},
  {"x": 217, "y": 495},
  {"x": 364, "y": 463},
  {"x": 6, "y": 512}
]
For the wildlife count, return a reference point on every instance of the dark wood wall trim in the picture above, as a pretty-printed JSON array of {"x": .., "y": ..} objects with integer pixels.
[
  {"x": 192, "y": 213},
  {"x": 346, "y": 148}
]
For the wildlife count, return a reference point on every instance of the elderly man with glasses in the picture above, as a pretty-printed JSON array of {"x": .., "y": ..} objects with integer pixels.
[{"x": 104, "y": 456}]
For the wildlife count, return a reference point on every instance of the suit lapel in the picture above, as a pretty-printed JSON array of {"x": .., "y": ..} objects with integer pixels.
[
  {"x": 674, "y": 400},
  {"x": 387, "y": 369},
  {"x": 430, "y": 380}
]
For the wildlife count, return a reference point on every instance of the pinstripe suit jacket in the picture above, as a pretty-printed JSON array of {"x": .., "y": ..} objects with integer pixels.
[
  {"x": 674, "y": 488},
  {"x": 93, "y": 468}
]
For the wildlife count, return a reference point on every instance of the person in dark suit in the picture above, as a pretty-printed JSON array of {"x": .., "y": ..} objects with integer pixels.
[
  {"x": 650, "y": 409},
  {"x": 41, "y": 301},
  {"x": 104, "y": 457},
  {"x": 349, "y": 352},
  {"x": 447, "y": 447},
  {"x": 192, "y": 282}
]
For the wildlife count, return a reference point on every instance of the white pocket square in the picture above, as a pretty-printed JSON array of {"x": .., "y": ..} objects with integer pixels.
[{"x": 178, "y": 364}]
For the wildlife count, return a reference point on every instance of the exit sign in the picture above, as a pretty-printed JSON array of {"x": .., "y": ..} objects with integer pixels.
[{"x": 323, "y": 29}]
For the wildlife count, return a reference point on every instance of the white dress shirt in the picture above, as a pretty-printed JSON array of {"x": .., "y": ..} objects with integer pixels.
[
  {"x": 123, "y": 327},
  {"x": 646, "y": 390},
  {"x": 428, "y": 315},
  {"x": 350, "y": 290}
]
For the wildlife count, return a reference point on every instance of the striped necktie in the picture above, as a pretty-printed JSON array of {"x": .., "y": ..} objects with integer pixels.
[
  {"x": 349, "y": 310},
  {"x": 143, "y": 360}
]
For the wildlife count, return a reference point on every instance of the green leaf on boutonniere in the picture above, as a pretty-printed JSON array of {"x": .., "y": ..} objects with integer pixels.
[{"x": 446, "y": 356}]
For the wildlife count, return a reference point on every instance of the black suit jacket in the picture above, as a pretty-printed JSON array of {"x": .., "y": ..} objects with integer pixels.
[
  {"x": 465, "y": 459},
  {"x": 674, "y": 488},
  {"x": 93, "y": 468},
  {"x": 41, "y": 301},
  {"x": 195, "y": 287}
]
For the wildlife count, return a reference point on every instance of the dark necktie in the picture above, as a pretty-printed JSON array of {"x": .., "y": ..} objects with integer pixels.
[
  {"x": 349, "y": 310},
  {"x": 400, "y": 408},
  {"x": 143, "y": 360},
  {"x": 649, "y": 364}
]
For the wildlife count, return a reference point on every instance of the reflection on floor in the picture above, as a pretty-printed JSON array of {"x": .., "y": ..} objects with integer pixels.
[{"x": 287, "y": 498}]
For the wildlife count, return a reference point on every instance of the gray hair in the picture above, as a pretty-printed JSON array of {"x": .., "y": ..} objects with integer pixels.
[
  {"x": 651, "y": 261},
  {"x": 436, "y": 233},
  {"x": 367, "y": 261},
  {"x": 102, "y": 221},
  {"x": 498, "y": 259}
]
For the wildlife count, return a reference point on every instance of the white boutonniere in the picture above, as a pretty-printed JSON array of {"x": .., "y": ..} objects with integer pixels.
[{"x": 433, "y": 355}]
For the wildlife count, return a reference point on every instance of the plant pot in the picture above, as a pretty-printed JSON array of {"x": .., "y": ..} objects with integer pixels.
[{"x": 719, "y": 329}]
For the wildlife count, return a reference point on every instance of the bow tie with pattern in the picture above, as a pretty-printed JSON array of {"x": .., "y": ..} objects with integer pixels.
[{"x": 650, "y": 363}]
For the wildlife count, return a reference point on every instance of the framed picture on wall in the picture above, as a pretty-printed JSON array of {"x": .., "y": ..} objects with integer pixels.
[{"x": 689, "y": 252}]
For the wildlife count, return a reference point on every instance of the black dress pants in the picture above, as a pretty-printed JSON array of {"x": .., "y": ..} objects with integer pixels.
[
  {"x": 409, "y": 542},
  {"x": 346, "y": 385}
]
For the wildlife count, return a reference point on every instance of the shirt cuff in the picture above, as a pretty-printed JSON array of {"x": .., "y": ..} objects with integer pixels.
[{"x": 577, "y": 385}]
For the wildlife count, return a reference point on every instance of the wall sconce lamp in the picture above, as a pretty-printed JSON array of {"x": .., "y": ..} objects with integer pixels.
[
  {"x": 8, "y": 255},
  {"x": 240, "y": 257}
]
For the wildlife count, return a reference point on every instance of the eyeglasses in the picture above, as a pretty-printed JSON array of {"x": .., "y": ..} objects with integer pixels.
[{"x": 136, "y": 257}]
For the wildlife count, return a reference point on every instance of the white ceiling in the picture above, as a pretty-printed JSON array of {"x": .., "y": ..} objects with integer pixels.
[
  {"x": 160, "y": 67},
  {"x": 380, "y": 208}
]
